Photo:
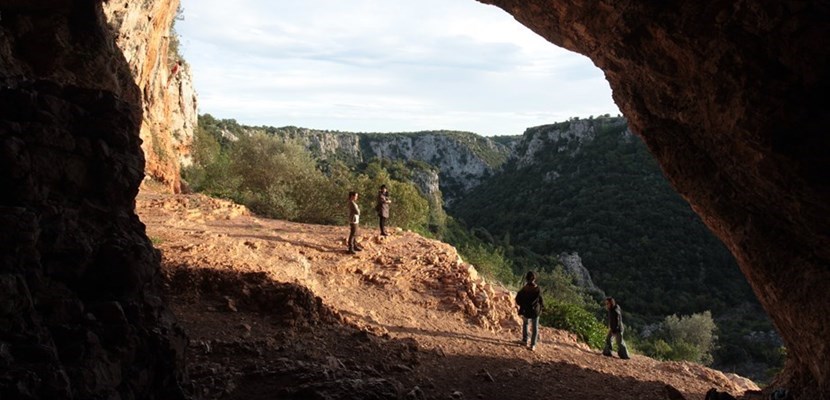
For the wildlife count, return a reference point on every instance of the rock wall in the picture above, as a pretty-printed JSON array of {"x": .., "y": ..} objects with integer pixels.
[
  {"x": 572, "y": 263},
  {"x": 80, "y": 312},
  {"x": 462, "y": 159},
  {"x": 534, "y": 139},
  {"x": 454, "y": 157},
  {"x": 143, "y": 32},
  {"x": 428, "y": 182},
  {"x": 730, "y": 98}
]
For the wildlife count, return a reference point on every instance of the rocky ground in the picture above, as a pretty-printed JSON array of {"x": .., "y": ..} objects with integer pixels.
[{"x": 275, "y": 309}]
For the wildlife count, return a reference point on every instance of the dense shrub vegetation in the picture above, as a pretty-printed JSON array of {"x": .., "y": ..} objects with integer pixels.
[
  {"x": 279, "y": 179},
  {"x": 574, "y": 318},
  {"x": 689, "y": 338}
]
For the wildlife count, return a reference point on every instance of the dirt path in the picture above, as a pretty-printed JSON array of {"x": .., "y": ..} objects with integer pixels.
[{"x": 402, "y": 319}]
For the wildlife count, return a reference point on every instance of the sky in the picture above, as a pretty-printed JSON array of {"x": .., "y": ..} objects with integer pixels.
[{"x": 383, "y": 66}]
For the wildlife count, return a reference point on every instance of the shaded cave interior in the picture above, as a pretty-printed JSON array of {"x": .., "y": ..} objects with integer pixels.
[{"x": 727, "y": 95}]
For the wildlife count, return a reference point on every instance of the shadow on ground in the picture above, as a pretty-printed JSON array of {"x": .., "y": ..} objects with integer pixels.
[{"x": 252, "y": 338}]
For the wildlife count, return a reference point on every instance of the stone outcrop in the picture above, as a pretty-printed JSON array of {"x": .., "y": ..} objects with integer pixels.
[
  {"x": 143, "y": 33},
  {"x": 729, "y": 97},
  {"x": 80, "y": 312},
  {"x": 562, "y": 134},
  {"x": 428, "y": 182},
  {"x": 460, "y": 286},
  {"x": 573, "y": 265}
]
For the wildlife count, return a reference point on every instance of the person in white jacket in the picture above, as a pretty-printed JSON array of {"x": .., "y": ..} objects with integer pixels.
[{"x": 354, "y": 220}]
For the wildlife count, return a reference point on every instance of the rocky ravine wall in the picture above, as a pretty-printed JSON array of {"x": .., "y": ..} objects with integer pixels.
[
  {"x": 462, "y": 159},
  {"x": 80, "y": 313},
  {"x": 142, "y": 32},
  {"x": 730, "y": 97}
]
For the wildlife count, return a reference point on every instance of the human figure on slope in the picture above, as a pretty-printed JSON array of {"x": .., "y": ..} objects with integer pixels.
[
  {"x": 615, "y": 328},
  {"x": 383, "y": 208},
  {"x": 530, "y": 303},
  {"x": 174, "y": 72},
  {"x": 354, "y": 220}
]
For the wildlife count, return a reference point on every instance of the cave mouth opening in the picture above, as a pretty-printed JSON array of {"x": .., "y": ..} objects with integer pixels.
[
  {"x": 236, "y": 85},
  {"x": 722, "y": 94}
]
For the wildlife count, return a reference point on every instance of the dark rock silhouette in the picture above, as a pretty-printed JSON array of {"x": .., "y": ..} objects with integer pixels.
[{"x": 80, "y": 312}]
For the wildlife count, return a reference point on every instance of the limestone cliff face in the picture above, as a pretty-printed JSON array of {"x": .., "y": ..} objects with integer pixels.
[
  {"x": 573, "y": 265},
  {"x": 427, "y": 180},
  {"x": 143, "y": 32},
  {"x": 462, "y": 159},
  {"x": 461, "y": 167},
  {"x": 565, "y": 137}
]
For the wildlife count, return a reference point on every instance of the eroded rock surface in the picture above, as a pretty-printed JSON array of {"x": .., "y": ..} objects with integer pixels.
[
  {"x": 80, "y": 312},
  {"x": 142, "y": 30},
  {"x": 729, "y": 97}
]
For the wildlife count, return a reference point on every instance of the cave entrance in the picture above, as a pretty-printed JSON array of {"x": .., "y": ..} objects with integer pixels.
[
  {"x": 410, "y": 67},
  {"x": 724, "y": 98},
  {"x": 727, "y": 96}
]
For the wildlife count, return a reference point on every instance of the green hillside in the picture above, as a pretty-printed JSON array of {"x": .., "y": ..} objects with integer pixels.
[{"x": 605, "y": 197}]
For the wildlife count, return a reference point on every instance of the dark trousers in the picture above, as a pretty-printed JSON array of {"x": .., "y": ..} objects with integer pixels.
[
  {"x": 382, "y": 224},
  {"x": 352, "y": 236}
]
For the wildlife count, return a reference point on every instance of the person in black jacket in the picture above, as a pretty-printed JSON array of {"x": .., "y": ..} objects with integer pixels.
[
  {"x": 615, "y": 328},
  {"x": 530, "y": 303},
  {"x": 382, "y": 208}
]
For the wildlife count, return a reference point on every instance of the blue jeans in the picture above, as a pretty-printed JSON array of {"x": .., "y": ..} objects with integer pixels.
[{"x": 534, "y": 337}]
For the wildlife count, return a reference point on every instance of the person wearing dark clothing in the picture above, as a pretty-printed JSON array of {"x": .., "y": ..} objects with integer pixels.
[
  {"x": 383, "y": 208},
  {"x": 354, "y": 220},
  {"x": 530, "y": 303},
  {"x": 615, "y": 329}
]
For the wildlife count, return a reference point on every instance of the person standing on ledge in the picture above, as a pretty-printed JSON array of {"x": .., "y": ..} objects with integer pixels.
[
  {"x": 383, "y": 208},
  {"x": 530, "y": 303},
  {"x": 354, "y": 219},
  {"x": 615, "y": 328}
]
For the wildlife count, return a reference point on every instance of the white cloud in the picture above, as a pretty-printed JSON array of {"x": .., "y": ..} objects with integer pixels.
[{"x": 383, "y": 65}]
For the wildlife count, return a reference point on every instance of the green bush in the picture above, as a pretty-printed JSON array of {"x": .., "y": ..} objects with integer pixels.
[
  {"x": 576, "y": 319},
  {"x": 696, "y": 331},
  {"x": 689, "y": 338}
]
